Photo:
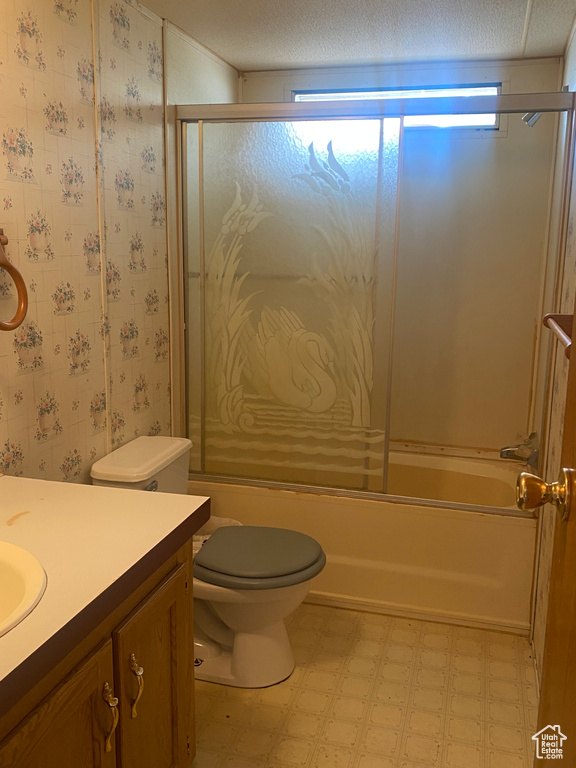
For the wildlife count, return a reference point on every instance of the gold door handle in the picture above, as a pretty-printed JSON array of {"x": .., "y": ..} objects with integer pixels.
[
  {"x": 112, "y": 702},
  {"x": 533, "y": 492},
  {"x": 139, "y": 672}
]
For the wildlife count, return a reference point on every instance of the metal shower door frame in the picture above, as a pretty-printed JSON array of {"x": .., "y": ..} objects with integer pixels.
[{"x": 563, "y": 101}]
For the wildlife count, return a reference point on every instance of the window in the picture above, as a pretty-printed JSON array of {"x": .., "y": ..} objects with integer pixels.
[{"x": 479, "y": 122}]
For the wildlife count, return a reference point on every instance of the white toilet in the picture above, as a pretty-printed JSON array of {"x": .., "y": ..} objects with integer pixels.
[{"x": 247, "y": 579}]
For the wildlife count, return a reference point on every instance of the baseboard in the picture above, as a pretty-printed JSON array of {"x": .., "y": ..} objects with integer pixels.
[{"x": 412, "y": 612}]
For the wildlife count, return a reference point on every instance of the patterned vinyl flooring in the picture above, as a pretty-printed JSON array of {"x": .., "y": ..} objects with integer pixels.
[{"x": 372, "y": 691}]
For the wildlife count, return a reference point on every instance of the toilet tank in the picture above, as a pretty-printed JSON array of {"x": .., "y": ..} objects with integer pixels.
[{"x": 146, "y": 463}]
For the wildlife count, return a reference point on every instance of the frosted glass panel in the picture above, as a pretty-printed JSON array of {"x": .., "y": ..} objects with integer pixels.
[{"x": 298, "y": 235}]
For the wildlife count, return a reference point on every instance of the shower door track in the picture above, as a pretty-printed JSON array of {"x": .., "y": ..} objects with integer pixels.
[
  {"x": 349, "y": 493},
  {"x": 519, "y": 103}
]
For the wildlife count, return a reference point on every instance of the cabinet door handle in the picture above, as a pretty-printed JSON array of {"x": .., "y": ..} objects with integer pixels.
[
  {"x": 112, "y": 702},
  {"x": 139, "y": 672}
]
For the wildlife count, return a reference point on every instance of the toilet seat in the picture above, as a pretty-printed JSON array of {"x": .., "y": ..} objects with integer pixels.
[{"x": 258, "y": 557}]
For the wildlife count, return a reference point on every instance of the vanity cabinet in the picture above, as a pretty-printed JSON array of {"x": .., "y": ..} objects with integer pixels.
[
  {"x": 70, "y": 727},
  {"x": 129, "y": 703},
  {"x": 151, "y": 663}
]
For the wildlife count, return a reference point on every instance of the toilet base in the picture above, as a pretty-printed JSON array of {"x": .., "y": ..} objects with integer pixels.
[{"x": 254, "y": 661}]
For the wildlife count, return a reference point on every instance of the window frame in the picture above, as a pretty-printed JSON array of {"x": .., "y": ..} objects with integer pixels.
[{"x": 402, "y": 92}]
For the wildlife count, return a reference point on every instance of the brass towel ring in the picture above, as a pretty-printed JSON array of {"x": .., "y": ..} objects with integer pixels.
[{"x": 20, "y": 287}]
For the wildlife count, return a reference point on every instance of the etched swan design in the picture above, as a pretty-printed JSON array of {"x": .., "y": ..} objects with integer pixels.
[{"x": 296, "y": 364}]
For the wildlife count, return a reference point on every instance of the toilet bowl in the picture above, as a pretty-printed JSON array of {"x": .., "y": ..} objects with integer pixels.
[
  {"x": 240, "y": 638},
  {"x": 247, "y": 579}
]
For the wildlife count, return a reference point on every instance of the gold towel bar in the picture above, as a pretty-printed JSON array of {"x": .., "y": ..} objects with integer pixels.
[{"x": 10, "y": 325}]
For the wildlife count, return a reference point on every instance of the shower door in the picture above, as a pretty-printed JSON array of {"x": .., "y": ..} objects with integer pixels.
[{"x": 290, "y": 239}]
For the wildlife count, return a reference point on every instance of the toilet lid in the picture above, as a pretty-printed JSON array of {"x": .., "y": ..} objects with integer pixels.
[{"x": 257, "y": 552}]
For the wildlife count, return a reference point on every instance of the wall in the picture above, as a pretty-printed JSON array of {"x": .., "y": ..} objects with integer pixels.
[
  {"x": 516, "y": 77},
  {"x": 83, "y": 200},
  {"x": 195, "y": 75},
  {"x": 52, "y": 370},
  {"x": 82, "y": 194},
  {"x": 472, "y": 238}
]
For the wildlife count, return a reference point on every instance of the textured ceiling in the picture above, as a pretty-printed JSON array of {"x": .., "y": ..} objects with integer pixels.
[{"x": 279, "y": 34}]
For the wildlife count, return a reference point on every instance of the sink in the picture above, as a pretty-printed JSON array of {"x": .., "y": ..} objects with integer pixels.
[{"x": 22, "y": 584}]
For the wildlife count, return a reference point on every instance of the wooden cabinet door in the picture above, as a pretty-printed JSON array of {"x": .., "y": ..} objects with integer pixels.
[
  {"x": 70, "y": 728},
  {"x": 154, "y": 678}
]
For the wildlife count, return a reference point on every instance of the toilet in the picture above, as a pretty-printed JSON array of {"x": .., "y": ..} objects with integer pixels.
[{"x": 247, "y": 579}]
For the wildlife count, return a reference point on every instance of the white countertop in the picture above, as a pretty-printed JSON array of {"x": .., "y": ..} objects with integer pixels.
[{"x": 86, "y": 537}]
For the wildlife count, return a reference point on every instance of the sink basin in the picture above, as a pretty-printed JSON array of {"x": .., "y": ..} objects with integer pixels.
[{"x": 22, "y": 584}]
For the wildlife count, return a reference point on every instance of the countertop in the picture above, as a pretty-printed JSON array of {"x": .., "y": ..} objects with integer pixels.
[{"x": 86, "y": 538}]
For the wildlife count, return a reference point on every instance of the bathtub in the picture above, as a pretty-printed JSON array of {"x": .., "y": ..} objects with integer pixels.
[
  {"x": 446, "y": 478},
  {"x": 434, "y": 560}
]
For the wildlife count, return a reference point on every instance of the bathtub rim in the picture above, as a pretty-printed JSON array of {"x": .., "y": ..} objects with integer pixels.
[{"x": 319, "y": 490}]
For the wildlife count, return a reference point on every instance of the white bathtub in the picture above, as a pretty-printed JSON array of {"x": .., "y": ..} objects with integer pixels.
[
  {"x": 446, "y": 478},
  {"x": 460, "y": 565}
]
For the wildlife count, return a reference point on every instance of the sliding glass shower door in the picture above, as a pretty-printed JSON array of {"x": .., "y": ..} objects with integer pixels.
[{"x": 290, "y": 240}]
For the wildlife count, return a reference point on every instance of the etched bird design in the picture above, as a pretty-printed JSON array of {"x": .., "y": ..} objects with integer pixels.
[{"x": 295, "y": 364}]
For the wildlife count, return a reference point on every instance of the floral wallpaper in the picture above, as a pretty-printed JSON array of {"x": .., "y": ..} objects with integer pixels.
[{"x": 82, "y": 204}]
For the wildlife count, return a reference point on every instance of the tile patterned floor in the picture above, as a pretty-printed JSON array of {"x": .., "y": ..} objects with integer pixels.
[{"x": 373, "y": 691}]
